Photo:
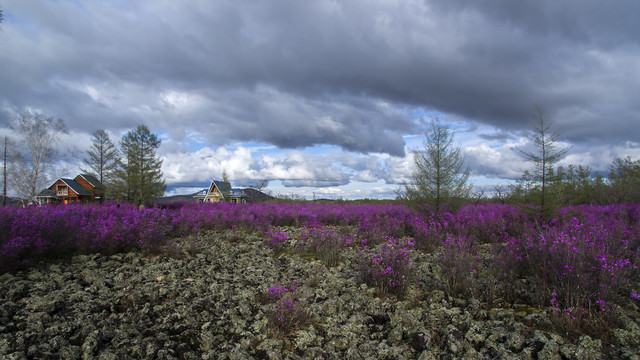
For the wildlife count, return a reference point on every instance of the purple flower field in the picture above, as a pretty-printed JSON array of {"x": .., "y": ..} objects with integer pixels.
[{"x": 580, "y": 266}]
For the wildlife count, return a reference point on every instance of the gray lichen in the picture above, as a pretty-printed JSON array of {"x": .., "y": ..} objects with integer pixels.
[{"x": 208, "y": 303}]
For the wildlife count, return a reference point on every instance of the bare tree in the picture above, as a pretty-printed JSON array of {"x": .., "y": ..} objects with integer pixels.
[
  {"x": 500, "y": 193},
  {"x": 256, "y": 192},
  {"x": 31, "y": 163},
  {"x": 262, "y": 184},
  {"x": 546, "y": 153},
  {"x": 439, "y": 177},
  {"x": 478, "y": 196},
  {"x": 102, "y": 160}
]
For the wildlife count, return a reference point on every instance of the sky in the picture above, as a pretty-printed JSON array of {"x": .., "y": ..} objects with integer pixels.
[{"x": 327, "y": 99}]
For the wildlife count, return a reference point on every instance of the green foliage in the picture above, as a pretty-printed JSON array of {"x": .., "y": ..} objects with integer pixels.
[
  {"x": 138, "y": 177},
  {"x": 576, "y": 185},
  {"x": 624, "y": 178},
  {"x": 545, "y": 155},
  {"x": 439, "y": 178}
]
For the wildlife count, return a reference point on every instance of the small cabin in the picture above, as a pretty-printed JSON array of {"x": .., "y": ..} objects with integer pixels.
[
  {"x": 81, "y": 189},
  {"x": 221, "y": 191}
]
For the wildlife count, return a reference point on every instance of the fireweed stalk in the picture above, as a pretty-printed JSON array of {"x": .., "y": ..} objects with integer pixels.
[
  {"x": 325, "y": 241},
  {"x": 276, "y": 239},
  {"x": 459, "y": 264},
  {"x": 587, "y": 255},
  {"x": 32, "y": 233},
  {"x": 287, "y": 314},
  {"x": 390, "y": 270}
]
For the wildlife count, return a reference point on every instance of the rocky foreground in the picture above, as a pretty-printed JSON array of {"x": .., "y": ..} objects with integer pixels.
[{"x": 206, "y": 300}]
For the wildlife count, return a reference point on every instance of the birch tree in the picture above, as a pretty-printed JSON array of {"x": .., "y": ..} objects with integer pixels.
[{"x": 34, "y": 153}]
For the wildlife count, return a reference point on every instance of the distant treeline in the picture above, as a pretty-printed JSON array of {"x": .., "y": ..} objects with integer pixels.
[{"x": 575, "y": 185}]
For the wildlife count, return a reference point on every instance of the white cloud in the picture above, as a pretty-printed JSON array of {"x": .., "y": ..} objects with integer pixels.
[
  {"x": 494, "y": 161},
  {"x": 356, "y": 77},
  {"x": 206, "y": 164},
  {"x": 400, "y": 169},
  {"x": 177, "y": 101}
]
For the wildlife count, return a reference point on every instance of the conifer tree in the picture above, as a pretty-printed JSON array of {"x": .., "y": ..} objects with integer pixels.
[
  {"x": 102, "y": 159},
  {"x": 546, "y": 153},
  {"x": 139, "y": 174},
  {"x": 624, "y": 180},
  {"x": 439, "y": 177}
]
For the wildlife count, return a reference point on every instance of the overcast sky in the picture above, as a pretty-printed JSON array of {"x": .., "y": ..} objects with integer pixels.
[{"x": 328, "y": 97}]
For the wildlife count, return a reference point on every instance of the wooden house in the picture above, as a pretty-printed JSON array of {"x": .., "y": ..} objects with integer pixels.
[
  {"x": 81, "y": 189},
  {"x": 221, "y": 191}
]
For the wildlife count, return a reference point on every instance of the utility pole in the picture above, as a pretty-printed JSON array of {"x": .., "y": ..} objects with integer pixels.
[{"x": 4, "y": 174}]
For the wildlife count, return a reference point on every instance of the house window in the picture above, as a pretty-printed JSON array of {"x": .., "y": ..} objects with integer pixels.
[{"x": 62, "y": 191}]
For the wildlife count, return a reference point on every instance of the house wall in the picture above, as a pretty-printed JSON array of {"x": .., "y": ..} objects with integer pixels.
[
  {"x": 85, "y": 184},
  {"x": 70, "y": 198},
  {"x": 233, "y": 199},
  {"x": 213, "y": 198},
  {"x": 47, "y": 201},
  {"x": 214, "y": 195}
]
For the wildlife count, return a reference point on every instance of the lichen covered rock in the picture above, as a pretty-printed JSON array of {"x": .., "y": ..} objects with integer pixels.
[{"x": 212, "y": 304}]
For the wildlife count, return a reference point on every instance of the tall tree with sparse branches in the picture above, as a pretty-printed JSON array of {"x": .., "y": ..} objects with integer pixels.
[
  {"x": 439, "y": 177},
  {"x": 547, "y": 152},
  {"x": 102, "y": 160},
  {"x": 35, "y": 152},
  {"x": 139, "y": 177}
]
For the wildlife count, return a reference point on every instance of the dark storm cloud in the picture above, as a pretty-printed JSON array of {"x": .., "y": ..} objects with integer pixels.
[
  {"x": 295, "y": 74},
  {"x": 500, "y": 137}
]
